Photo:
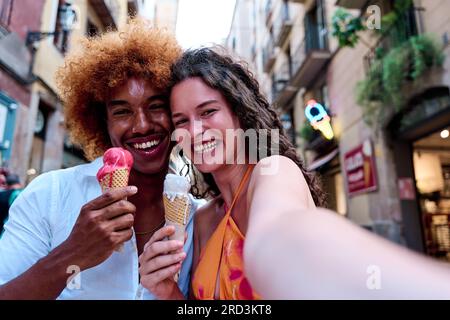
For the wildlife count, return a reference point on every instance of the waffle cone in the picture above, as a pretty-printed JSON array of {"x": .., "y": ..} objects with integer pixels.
[
  {"x": 177, "y": 214},
  {"x": 177, "y": 210},
  {"x": 115, "y": 179}
]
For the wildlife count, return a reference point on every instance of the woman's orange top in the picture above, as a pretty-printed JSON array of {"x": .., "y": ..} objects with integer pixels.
[{"x": 222, "y": 257}]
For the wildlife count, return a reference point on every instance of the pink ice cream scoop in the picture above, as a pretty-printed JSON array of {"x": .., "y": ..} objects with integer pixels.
[
  {"x": 117, "y": 163},
  {"x": 114, "y": 173}
]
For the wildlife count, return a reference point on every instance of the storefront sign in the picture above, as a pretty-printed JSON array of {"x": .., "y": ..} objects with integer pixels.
[
  {"x": 406, "y": 189},
  {"x": 360, "y": 169}
]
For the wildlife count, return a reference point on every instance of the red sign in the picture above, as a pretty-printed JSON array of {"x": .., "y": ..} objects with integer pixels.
[
  {"x": 360, "y": 169},
  {"x": 406, "y": 189}
]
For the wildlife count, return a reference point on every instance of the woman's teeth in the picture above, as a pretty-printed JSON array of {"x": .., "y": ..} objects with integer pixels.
[
  {"x": 146, "y": 145},
  {"x": 205, "y": 147}
]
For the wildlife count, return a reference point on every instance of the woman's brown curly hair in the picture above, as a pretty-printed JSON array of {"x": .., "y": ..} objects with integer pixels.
[
  {"x": 240, "y": 88},
  {"x": 103, "y": 63}
]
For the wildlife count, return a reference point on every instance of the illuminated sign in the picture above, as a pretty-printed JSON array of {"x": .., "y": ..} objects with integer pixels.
[{"x": 319, "y": 118}]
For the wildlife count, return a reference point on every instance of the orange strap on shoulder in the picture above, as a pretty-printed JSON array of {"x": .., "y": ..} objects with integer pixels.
[
  {"x": 207, "y": 269},
  {"x": 239, "y": 189}
]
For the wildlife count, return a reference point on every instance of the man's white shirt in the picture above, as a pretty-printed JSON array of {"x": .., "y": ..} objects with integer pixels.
[{"x": 43, "y": 216}]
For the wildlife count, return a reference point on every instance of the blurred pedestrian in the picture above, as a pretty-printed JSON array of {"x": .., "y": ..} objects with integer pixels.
[
  {"x": 7, "y": 197},
  {"x": 3, "y": 185}
]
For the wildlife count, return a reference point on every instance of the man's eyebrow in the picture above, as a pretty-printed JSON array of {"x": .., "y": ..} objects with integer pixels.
[
  {"x": 161, "y": 97},
  {"x": 113, "y": 103},
  {"x": 157, "y": 97}
]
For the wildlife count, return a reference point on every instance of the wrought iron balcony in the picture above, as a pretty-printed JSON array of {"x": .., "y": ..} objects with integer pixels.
[
  {"x": 281, "y": 89},
  {"x": 352, "y": 4},
  {"x": 282, "y": 25},
  {"x": 308, "y": 59},
  {"x": 269, "y": 56},
  {"x": 396, "y": 34}
]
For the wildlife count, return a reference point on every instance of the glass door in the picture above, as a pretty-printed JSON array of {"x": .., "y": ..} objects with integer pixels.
[{"x": 431, "y": 158}]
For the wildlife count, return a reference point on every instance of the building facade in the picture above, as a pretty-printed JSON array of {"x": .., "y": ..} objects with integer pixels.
[
  {"x": 16, "y": 19},
  {"x": 35, "y": 40},
  {"x": 163, "y": 13},
  {"x": 386, "y": 165}
]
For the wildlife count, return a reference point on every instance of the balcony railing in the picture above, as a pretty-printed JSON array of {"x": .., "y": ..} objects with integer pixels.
[
  {"x": 269, "y": 56},
  {"x": 282, "y": 25},
  {"x": 309, "y": 57},
  {"x": 397, "y": 33},
  {"x": 299, "y": 56},
  {"x": 352, "y": 4},
  {"x": 280, "y": 84}
]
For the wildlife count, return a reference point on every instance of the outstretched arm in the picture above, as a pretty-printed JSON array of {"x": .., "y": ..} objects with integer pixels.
[{"x": 294, "y": 251}]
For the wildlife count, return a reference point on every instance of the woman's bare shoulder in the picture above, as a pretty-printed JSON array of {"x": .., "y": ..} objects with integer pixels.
[{"x": 280, "y": 175}]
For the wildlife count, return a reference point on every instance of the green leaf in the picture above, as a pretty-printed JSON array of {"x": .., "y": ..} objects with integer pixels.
[
  {"x": 382, "y": 87},
  {"x": 345, "y": 27}
]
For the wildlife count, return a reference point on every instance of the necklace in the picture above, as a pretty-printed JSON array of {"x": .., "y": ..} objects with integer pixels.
[{"x": 141, "y": 233}]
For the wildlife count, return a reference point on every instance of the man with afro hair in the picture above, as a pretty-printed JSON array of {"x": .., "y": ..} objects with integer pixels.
[{"x": 61, "y": 238}]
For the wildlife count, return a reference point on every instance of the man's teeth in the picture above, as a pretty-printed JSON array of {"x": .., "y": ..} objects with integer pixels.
[
  {"x": 205, "y": 147},
  {"x": 146, "y": 145}
]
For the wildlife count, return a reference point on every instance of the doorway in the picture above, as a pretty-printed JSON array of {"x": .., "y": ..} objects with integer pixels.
[
  {"x": 39, "y": 139},
  {"x": 431, "y": 159},
  {"x": 421, "y": 156}
]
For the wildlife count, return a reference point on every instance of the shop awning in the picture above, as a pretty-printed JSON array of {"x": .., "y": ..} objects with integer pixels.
[{"x": 323, "y": 160}]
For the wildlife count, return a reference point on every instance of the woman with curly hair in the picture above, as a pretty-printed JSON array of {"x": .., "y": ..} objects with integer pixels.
[
  {"x": 264, "y": 210},
  {"x": 114, "y": 89},
  {"x": 212, "y": 96}
]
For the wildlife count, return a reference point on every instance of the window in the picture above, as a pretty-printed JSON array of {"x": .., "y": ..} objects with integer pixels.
[
  {"x": 6, "y": 7},
  {"x": 61, "y": 38},
  {"x": 316, "y": 28},
  {"x": 402, "y": 29},
  {"x": 8, "y": 109}
]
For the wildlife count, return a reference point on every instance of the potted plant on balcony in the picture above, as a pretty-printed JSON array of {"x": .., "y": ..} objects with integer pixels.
[
  {"x": 381, "y": 93},
  {"x": 345, "y": 28}
]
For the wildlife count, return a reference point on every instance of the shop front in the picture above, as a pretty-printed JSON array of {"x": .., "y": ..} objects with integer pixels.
[{"x": 421, "y": 146}]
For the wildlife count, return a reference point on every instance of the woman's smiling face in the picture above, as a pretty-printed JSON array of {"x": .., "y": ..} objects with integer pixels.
[{"x": 205, "y": 116}]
